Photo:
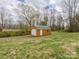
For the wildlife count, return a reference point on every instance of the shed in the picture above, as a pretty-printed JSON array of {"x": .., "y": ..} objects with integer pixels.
[{"x": 40, "y": 31}]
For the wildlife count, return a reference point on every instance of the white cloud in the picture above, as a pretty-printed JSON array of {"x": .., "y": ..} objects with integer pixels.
[
  {"x": 42, "y": 3},
  {"x": 52, "y": 2},
  {"x": 59, "y": 9},
  {"x": 37, "y": 4},
  {"x": 9, "y": 6}
]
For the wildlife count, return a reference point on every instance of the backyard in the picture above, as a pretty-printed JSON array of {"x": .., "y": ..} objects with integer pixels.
[{"x": 58, "y": 45}]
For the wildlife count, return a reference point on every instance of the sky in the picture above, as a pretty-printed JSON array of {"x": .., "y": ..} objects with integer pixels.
[
  {"x": 42, "y": 3},
  {"x": 10, "y": 5}
]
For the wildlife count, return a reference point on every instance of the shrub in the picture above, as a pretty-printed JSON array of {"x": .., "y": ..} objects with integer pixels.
[{"x": 14, "y": 33}]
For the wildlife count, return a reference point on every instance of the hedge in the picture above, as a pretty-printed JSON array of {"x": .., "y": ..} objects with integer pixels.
[{"x": 13, "y": 33}]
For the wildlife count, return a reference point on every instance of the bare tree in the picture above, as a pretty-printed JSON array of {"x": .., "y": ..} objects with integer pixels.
[
  {"x": 2, "y": 16},
  {"x": 60, "y": 22},
  {"x": 70, "y": 9},
  {"x": 26, "y": 12},
  {"x": 52, "y": 18}
]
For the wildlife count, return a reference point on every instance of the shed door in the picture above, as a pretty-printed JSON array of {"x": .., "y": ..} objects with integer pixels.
[
  {"x": 38, "y": 32},
  {"x": 41, "y": 32},
  {"x": 33, "y": 32}
]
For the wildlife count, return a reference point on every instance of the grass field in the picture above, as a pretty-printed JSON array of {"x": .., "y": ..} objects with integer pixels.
[{"x": 59, "y": 45}]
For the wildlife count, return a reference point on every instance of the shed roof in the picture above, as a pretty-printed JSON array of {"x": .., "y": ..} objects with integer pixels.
[{"x": 43, "y": 27}]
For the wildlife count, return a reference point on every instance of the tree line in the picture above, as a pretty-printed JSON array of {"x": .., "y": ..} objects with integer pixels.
[{"x": 67, "y": 19}]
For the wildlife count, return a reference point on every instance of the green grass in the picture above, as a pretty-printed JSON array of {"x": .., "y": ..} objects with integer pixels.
[{"x": 59, "y": 45}]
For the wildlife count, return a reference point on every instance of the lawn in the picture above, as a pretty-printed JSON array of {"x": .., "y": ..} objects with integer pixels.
[{"x": 59, "y": 45}]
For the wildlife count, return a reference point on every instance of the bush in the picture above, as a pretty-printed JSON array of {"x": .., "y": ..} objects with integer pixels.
[{"x": 14, "y": 33}]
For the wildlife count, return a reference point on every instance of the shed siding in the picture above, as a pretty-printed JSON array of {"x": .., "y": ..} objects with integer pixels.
[{"x": 40, "y": 31}]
